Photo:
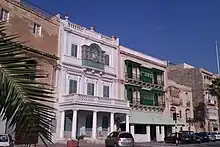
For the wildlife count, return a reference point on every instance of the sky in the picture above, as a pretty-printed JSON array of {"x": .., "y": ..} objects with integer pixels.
[{"x": 174, "y": 30}]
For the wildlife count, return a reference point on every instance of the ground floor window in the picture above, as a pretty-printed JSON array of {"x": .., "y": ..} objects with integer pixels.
[{"x": 140, "y": 129}]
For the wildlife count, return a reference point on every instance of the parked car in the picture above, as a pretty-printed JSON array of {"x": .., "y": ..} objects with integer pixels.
[
  {"x": 203, "y": 136},
  {"x": 6, "y": 140},
  {"x": 212, "y": 137},
  {"x": 206, "y": 136},
  {"x": 183, "y": 137},
  {"x": 119, "y": 139},
  {"x": 217, "y": 135}
]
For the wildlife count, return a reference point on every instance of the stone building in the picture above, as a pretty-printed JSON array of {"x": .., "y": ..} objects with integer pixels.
[
  {"x": 205, "y": 106},
  {"x": 179, "y": 99},
  {"x": 36, "y": 29}
]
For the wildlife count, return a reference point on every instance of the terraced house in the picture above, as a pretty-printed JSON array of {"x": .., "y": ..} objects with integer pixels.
[
  {"x": 206, "y": 117},
  {"x": 39, "y": 30},
  {"x": 88, "y": 103},
  {"x": 143, "y": 83}
]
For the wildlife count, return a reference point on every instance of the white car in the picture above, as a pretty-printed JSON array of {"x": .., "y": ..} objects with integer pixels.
[
  {"x": 5, "y": 140},
  {"x": 217, "y": 135}
]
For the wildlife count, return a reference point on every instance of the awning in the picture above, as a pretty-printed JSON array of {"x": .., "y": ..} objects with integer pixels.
[{"x": 138, "y": 117}]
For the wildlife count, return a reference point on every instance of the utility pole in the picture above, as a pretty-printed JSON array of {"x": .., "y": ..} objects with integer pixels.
[{"x": 217, "y": 57}]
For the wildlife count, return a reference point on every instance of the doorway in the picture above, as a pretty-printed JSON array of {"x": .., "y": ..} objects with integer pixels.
[{"x": 153, "y": 133}]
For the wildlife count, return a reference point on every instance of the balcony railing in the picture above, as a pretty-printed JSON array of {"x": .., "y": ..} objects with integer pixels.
[
  {"x": 94, "y": 100},
  {"x": 136, "y": 79},
  {"x": 211, "y": 102},
  {"x": 176, "y": 101},
  {"x": 159, "y": 107}
]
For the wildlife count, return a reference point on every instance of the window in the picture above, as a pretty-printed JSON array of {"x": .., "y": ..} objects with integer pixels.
[
  {"x": 90, "y": 89},
  {"x": 107, "y": 60},
  {"x": 105, "y": 91},
  {"x": 89, "y": 121},
  {"x": 104, "y": 122},
  {"x": 31, "y": 65},
  {"x": 160, "y": 130},
  {"x": 180, "y": 114},
  {"x": 140, "y": 129},
  {"x": 74, "y": 50},
  {"x": 72, "y": 86},
  {"x": 4, "y": 15},
  {"x": 37, "y": 29}
]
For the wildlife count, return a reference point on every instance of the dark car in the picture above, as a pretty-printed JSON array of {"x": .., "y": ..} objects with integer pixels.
[
  {"x": 183, "y": 137},
  {"x": 206, "y": 137}
]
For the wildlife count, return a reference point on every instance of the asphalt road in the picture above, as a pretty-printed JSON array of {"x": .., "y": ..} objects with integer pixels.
[{"x": 211, "y": 144}]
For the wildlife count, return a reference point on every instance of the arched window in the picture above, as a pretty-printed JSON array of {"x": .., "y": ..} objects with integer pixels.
[
  {"x": 89, "y": 121},
  {"x": 172, "y": 110},
  {"x": 187, "y": 112},
  {"x": 105, "y": 122}
]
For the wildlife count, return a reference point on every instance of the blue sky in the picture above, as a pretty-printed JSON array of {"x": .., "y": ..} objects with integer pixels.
[{"x": 174, "y": 30}]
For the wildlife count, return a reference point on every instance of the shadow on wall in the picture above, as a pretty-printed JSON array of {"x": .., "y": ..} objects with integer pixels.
[{"x": 199, "y": 114}]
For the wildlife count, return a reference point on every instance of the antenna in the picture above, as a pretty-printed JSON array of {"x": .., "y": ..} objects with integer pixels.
[{"x": 217, "y": 57}]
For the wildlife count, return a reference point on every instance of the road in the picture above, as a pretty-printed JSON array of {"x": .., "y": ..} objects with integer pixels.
[{"x": 211, "y": 144}]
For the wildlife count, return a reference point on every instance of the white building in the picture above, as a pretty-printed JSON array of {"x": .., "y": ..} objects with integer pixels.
[{"x": 88, "y": 100}]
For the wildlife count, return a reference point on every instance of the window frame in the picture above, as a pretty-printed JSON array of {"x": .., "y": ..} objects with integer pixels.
[
  {"x": 74, "y": 88},
  {"x": 107, "y": 62},
  {"x": 74, "y": 50},
  {"x": 104, "y": 92},
  {"x": 35, "y": 29},
  {"x": 93, "y": 89},
  {"x": 3, "y": 12}
]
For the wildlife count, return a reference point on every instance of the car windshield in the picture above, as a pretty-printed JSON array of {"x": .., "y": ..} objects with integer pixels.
[
  {"x": 187, "y": 133},
  {"x": 3, "y": 138},
  {"x": 125, "y": 135}
]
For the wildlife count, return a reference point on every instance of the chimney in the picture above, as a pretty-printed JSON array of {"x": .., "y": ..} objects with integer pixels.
[
  {"x": 92, "y": 28},
  {"x": 114, "y": 38}
]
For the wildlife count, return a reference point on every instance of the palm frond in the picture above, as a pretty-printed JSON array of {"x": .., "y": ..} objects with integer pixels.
[{"x": 25, "y": 103}]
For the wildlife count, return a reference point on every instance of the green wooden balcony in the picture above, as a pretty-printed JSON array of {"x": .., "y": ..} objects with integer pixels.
[{"x": 93, "y": 64}]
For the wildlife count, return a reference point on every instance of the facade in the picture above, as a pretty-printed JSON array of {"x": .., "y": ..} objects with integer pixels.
[
  {"x": 205, "y": 106},
  {"x": 143, "y": 82},
  {"x": 38, "y": 30},
  {"x": 180, "y": 102},
  {"x": 88, "y": 100}
]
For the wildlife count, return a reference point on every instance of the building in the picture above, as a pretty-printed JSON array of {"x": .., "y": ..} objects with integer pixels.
[
  {"x": 36, "y": 29},
  {"x": 180, "y": 101},
  {"x": 88, "y": 103},
  {"x": 205, "y": 106},
  {"x": 143, "y": 83}
]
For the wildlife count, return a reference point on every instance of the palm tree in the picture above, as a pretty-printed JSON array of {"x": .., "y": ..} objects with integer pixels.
[
  {"x": 214, "y": 88},
  {"x": 25, "y": 102}
]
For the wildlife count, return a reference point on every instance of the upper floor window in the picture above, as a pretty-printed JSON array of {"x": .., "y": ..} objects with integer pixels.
[
  {"x": 72, "y": 86},
  {"x": 90, "y": 89},
  {"x": 74, "y": 50},
  {"x": 105, "y": 91},
  {"x": 107, "y": 60},
  {"x": 4, "y": 15},
  {"x": 37, "y": 29}
]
